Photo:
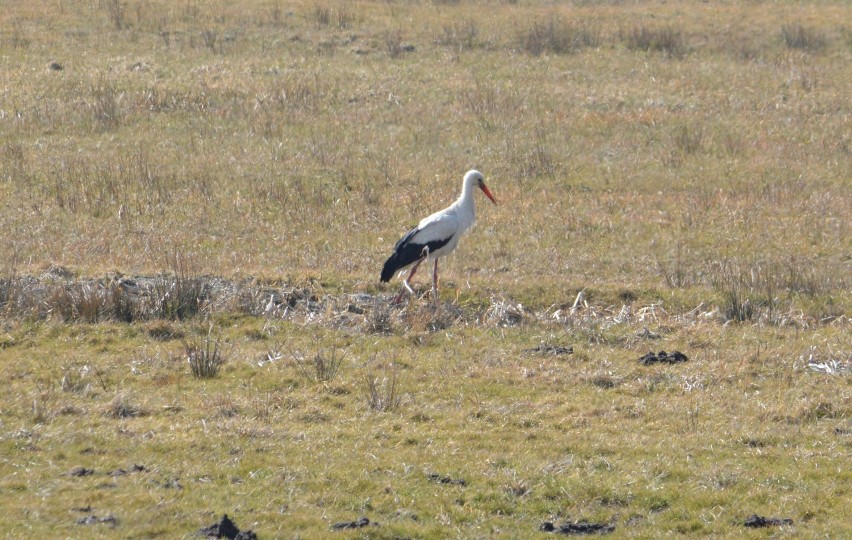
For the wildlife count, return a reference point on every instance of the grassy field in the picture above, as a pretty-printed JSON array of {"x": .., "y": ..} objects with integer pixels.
[{"x": 190, "y": 186}]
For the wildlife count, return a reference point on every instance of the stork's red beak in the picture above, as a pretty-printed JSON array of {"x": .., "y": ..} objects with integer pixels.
[{"x": 488, "y": 194}]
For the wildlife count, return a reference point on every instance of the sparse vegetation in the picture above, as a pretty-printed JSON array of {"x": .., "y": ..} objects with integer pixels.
[
  {"x": 122, "y": 406},
  {"x": 798, "y": 36},
  {"x": 176, "y": 176},
  {"x": 205, "y": 356},
  {"x": 555, "y": 36},
  {"x": 667, "y": 40},
  {"x": 381, "y": 391},
  {"x": 322, "y": 367}
]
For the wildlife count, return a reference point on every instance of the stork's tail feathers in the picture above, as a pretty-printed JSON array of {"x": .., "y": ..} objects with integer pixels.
[{"x": 390, "y": 268}]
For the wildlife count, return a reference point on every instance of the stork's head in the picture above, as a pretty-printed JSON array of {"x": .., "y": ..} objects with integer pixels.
[{"x": 474, "y": 178}]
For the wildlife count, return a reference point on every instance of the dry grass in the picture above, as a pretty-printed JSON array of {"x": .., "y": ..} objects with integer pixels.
[
  {"x": 797, "y": 36},
  {"x": 557, "y": 37},
  {"x": 205, "y": 357},
  {"x": 382, "y": 391},
  {"x": 167, "y": 166},
  {"x": 666, "y": 40},
  {"x": 322, "y": 367}
]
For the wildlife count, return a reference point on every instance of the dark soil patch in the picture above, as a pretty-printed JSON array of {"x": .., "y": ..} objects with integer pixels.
[
  {"x": 133, "y": 468},
  {"x": 553, "y": 350},
  {"x": 663, "y": 357},
  {"x": 842, "y": 431},
  {"x": 357, "y": 524},
  {"x": 173, "y": 483},
  {"x": 443, "y": 479},
  {"x": 756, "y": 521},
  {"x": 80, "y": 471},
  {"x": 577, "y": 527},
  {"x": 226, "y": 528},
  {"x": 92, "y": 519}
]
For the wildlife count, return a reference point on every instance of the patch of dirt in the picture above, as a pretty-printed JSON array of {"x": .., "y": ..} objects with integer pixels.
[
  {"x": 133, "y": 469},
  {"x": 92, "y": 519},
  {"x": 80, "y": 471},
  {"x": 225, "y": 528},
  {"x": 443, "y": 479},
  {"x": 357, "y": 524},
  {"x": 174, "y": 483},
  {"x": 756, "y": 521},
  {"x": 577, "y": 527},
  {"x": 663, "y": 357},
  {"x": 553, "y": 350}
]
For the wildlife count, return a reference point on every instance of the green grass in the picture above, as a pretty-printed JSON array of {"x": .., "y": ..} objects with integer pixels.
[
  {"x": 742, "y": 428},
  {"x": 686, "y": 169}
]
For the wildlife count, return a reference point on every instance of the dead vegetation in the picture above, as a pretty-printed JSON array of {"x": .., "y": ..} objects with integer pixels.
[
  {"x": 319, "y": 367},
  {"x": 205, "y": 356},
  {"x": 766, "y": 293},
  {"x": 381, "y": 391}
]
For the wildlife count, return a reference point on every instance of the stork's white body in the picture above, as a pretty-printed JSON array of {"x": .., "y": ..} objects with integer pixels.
[
  {"x": 436, "y": 235},
  {"x": 451, "y": 222}
]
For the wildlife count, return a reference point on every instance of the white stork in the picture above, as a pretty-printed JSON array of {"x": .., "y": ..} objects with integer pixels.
[{"x": 436, "y": 235}]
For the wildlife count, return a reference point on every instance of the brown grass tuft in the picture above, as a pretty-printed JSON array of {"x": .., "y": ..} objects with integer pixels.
[
  {"x": 555, "y": 36},
  {"x": 205, "y": 357},
  {"x": 804, "y": 38},
  {"x": 122, "y": 406},
  {"x": 382, "y": 391},
  {"x": 322, "y": 367},
  {"x": 666, "y": 40}
]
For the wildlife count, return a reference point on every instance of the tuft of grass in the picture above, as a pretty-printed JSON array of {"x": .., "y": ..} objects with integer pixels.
[
  {"x": 43, "y": 407},
  {"x": 555, "y": 36},
  {"x": 75, "y": 378},
  {"x": 686, "y": 140},
  {"x": 181, "y": 294},
  {"x": 209, "y": 38},
  {"x": 9, "y": 291},
  {"x": 393, "y": 43},
  {"x": 666, "y": 40},
  {"x": 115, "y": 10},
  {"x": 322, "y": 367},
  {"x": 459, "y": 35},
  {"x": 204, "y": 356},
  {"x": 382, "y": 391},
  {"x": 341, "y": 15},
  {"x": 90, "y": 302},
  {"x": 122, "y": 406},
  {"x": 18, "y": 38},
  {"x": 804, "y": 38},
  {"x": 104, "y": 104}
]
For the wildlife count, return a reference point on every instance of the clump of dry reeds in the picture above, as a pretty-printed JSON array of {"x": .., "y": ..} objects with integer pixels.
[{"x": 204, "y": 356}]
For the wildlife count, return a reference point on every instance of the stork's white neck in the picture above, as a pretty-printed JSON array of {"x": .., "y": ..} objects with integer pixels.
[
  {"x": 466, "y": 196},
  {"x": 464, "y": 205}
]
